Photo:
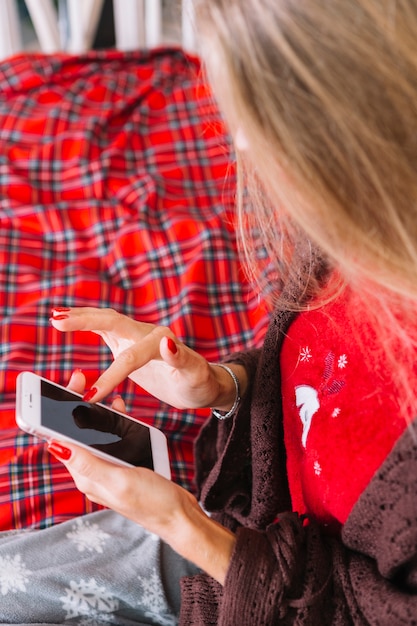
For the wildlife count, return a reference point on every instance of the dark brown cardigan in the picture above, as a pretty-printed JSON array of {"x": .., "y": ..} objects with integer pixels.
[{"x": 289, "y": 572}]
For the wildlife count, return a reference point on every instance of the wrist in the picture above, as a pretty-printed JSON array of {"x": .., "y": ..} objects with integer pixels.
[
  {"x": 203, "y": 541},
  {"x": 232, "y": 383}
]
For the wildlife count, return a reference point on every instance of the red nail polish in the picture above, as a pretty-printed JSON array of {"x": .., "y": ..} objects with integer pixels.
[
  {"x": 59, "y": 451},
  {"x": 63, "y": 316},
  {"x": 60, "y": 309},
  {"x": 89, "y": 395},
  {"x": 172, "y": 346}
]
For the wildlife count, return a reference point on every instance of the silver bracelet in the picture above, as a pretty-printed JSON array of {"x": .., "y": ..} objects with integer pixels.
[{"x": 219, "y": 414}]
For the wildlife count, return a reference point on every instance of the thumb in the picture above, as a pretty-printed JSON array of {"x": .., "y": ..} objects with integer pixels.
[
  {"x": 78, "y": 459},
  {"x": 169, "y": 349},
  {"x": 180, "y": 356},
  {"x": 92, "y": 475}
]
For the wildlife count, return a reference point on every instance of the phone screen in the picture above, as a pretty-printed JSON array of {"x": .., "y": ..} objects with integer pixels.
[{"x": 95, "y": 426}]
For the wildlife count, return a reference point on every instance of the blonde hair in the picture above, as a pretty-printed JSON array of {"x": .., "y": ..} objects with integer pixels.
[{"x": 326, "y": 94}]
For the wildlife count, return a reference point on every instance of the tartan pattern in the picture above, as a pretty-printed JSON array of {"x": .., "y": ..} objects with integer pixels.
[{"x": 113, "y": 192}]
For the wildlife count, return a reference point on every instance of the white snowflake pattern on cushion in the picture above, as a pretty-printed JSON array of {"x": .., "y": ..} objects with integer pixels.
[
  {"x": 153, "y": 601},
  {"x": 87, "y": 599},
  {"x": 88, "y": 536},
  {"x": 13, "y": 574}
]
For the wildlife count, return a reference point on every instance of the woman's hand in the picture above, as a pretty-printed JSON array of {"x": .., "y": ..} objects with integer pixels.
[
  {"x": 97, "y": 478},
  {"x": 153, "y": 358},
  {"x": 157, "y": 504}
]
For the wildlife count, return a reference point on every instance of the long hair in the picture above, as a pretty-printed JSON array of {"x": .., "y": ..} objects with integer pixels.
[{"x": 326, "y": 94}]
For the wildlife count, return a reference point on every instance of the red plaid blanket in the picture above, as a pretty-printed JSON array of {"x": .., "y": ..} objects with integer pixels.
[{"x": 113, "y": 192}]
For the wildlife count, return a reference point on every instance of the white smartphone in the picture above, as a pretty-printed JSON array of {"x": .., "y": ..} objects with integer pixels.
[{"x": 50, "y": 411}]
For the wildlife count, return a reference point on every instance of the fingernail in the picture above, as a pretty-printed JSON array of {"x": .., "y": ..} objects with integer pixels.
[
  {"x": 63, "y": 316},
  {"x": 60, "y": 309},
  {"x": 59, "y": 451},
  {"x": 89, "y": 395},
  {"x": 172, "y": 346}
]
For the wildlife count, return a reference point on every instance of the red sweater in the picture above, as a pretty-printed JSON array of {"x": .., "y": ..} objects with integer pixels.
[
  {"x": 341, "y": 412},
  {"x": 290, "y": 571}
]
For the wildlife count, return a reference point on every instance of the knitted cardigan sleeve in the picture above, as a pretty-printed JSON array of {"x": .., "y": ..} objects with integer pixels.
[
  {"x": 293, "y": 574},
  {"x": 284, "y": 569}
]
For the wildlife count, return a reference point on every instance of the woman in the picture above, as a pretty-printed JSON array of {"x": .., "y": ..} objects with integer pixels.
[{"x": 308, "y": 463}]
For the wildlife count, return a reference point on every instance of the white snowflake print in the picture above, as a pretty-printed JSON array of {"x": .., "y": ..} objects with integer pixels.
[
  {"x": 336, "y": 412},
  {"x": 88, "y": 536},
  {"x": 317, "y": 468},
  {"x": 153, "y": 601},
  {"x": 87, "y": 599},
  {"x": 305, "y": 354},
  {"x": 342, "y": 361},
  {"x": 13, "y": 574}
]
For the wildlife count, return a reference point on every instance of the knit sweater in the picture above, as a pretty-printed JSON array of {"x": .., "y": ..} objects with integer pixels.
[
  {"x": 342, "y": 408},
  {"x": 285, "y": 568}
]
